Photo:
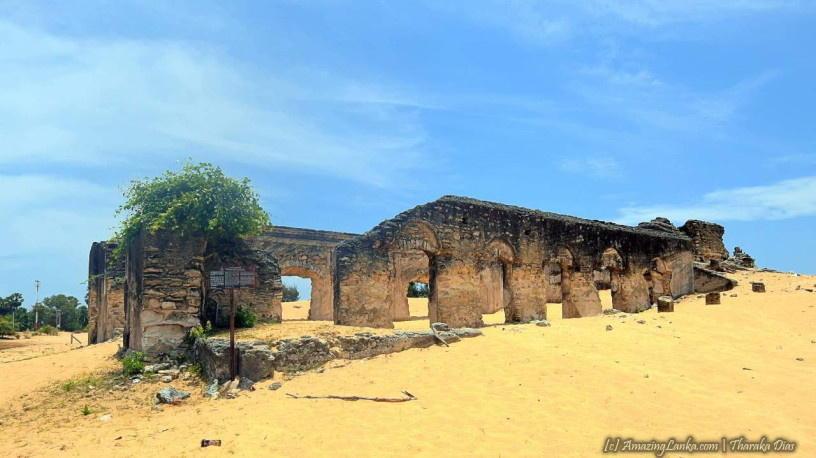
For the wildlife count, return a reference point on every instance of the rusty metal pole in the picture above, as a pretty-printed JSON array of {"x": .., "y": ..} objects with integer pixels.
[{"x": 232, "y": 333}]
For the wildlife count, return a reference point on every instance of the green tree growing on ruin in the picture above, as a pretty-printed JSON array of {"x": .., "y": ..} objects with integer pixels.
[{"x": 197, "y": 201}]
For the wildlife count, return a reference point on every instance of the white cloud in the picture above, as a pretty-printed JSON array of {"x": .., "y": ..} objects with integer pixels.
[
  {"x": 785, "y": 199},
  {"x": 88, "y": 102}
]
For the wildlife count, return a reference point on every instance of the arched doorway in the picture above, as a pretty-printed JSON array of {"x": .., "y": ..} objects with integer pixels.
[
  {"x": 318, "y": 304},
  {"x": 412, "y": 258},
  {"x": 496, "y": 279}
]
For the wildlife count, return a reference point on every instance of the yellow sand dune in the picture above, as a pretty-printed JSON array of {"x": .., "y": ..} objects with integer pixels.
[{"x": 520, "y": 390}]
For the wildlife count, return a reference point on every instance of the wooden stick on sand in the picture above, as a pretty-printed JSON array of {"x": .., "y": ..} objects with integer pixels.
[{"x": 409, "y": 397}]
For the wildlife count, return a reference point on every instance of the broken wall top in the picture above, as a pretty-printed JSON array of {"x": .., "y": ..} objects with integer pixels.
[{"x": 489, "y": 220}]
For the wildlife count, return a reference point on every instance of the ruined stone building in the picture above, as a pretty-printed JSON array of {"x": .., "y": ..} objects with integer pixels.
[
  {"x": 106, "y": 293},
  {"x": 477, "y": 258}
]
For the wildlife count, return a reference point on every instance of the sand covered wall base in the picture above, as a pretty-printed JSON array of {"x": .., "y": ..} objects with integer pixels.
[{"x": 258, "y": 360}]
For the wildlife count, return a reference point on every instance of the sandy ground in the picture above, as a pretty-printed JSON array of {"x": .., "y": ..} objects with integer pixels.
[{"x": 520, "y": 390}]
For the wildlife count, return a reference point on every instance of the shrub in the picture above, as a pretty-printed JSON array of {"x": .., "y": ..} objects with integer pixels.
[
  {"x": 197, "y": 332},
  {"x": 86, "y": 411},
  {"x": 49, "y": 330},
  {"x": 6, "y": 329},
  {"x": 133, "y": 364},
  {"x": 246, "y": 316},
  {"x": 195, "y": 369}
]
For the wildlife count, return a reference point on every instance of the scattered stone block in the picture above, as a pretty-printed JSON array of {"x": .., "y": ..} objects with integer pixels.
[
  {"x": 757, "y": 287},
  {"x": 665, "y": 304},
  {"x": 170, "y": 395},
  {"x": 275, "y": 386},
  {"x": 712, "y": 299}
]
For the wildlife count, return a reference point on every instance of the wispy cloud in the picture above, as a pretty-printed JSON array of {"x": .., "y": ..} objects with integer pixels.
[
  {"x": 785, "y": 199},
  {"x": 599, "y": 167},
  {"x": 660, "y": 12},
  {"x": 81, "y": 101}
]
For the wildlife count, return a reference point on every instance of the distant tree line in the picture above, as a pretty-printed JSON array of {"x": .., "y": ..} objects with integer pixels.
[{"x": 74, "y": 317}]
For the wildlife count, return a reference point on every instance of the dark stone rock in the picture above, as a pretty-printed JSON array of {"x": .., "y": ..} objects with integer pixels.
[
  {"x": 659, "y": 224},
  {"x": 757, "y": 287},
  {"x": 665, "y": 304},
  {"x": 169, "y": 395},
  {"x": 246, "y": 384},
  {"x": 275, "y": 386},
  {"x": 255, "y": 360},
  {"x": 712, "y": 298}
]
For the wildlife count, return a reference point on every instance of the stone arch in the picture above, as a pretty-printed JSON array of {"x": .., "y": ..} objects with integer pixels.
[
  {"x": 495, "y": 278},
  {"x": 416, "y": 236},
  {"x": 321, "y": 302}
]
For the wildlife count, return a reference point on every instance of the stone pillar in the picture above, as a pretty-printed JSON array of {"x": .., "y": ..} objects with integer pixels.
[
  {"x": 580, "y": 298},
  {"x": 362, "y": 285},
  {"x": 458, "y": 293},
  {"x": 322, "y": 299},
  {"x": 529, "y": 289}
]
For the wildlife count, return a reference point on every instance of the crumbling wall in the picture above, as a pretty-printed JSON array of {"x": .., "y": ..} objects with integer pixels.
[
  {"x": 303, "y": 253},
  {"x": 164, "y": 290},
  {"x": 707, "y": 239},
  {"x": 265, "y": 297},
  {"x": 483, "y": 254},
  {"x": 106, "y": 293}
]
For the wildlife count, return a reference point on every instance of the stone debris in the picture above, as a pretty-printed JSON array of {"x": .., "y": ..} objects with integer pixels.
[
  {"x": 246, "y": 384},
  {"x": 275, "y": 386},
  {"x": 167, "y": 379},
  {"x": 106, "y": 417},
  {"x": 800, "y": 359},
  {"x": 212, "y": 390},
  {"x": 157, "y": 368},
  {"x": 665, "y": 304},
  {"x": 712, "y": 299},
  {"x": 641, "y": 322},
  {"x": 611, "y": 311},
  {"x": 757, "y": 287},
  {"x": 608, "y": 327},
  {"x": 170, "y": 395}
]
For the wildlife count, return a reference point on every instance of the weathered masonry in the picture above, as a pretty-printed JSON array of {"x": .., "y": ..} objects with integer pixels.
[
  {"x": 483, "y": 256},
  {"x": 106, "y": 293},
  {"x": 166, "y": 291},
  {"x": 477, "y": 258}
]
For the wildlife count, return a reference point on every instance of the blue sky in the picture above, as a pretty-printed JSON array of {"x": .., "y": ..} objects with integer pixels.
[{"x": 346, "y": 113}]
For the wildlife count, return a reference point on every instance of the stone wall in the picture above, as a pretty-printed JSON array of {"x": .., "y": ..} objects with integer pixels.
[
  {"x": 707, "y": 238},
  {"x": 106, "y": 293},
  {"x": 483, "y": 255},
  {"x": 164, "y": 291}
]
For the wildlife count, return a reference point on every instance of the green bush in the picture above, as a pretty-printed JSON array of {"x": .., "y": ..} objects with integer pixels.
[
  {"x": 197, "y": 332},
  {"x": 133, "y": 364},
  {"x": 49, "y": 330},
  {"x": 86, "y": 411},
  {"x": 290, "y": 293},
  {"x": 246, "y": 316},
  {"x": 6, "y": 329}
]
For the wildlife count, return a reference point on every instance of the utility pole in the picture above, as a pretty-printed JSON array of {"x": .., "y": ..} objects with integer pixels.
[{"x": 37, "y": 306}]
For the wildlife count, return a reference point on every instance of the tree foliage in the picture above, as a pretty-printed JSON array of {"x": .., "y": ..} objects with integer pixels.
[
  {"x": 290, "y": 293},
  {"x": 10, "y": 303},
  {"x": 417, "y": 289},
  {"x": 198, "y": 200}
]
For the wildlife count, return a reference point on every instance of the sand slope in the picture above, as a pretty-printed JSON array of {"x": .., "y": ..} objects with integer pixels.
[{"x": 520, "y": 390}]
